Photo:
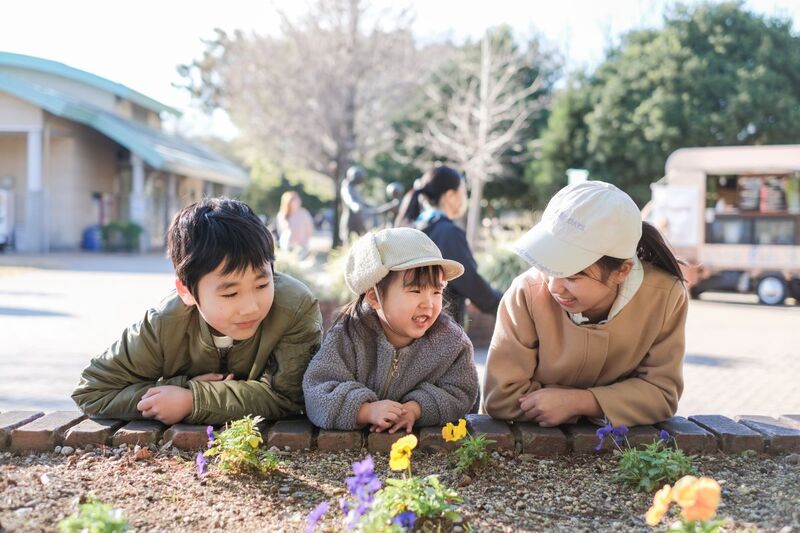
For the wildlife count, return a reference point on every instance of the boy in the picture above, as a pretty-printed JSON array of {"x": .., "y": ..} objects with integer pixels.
[{"x": 233, "y": 339}]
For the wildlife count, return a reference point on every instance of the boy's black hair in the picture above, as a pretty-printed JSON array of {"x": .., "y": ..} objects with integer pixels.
[{"x": 207, "y": 233}]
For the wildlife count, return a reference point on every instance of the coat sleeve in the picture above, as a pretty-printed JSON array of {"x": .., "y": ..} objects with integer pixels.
[
  {"x": 470, "y": 284},
  {"x": 114, "y": 382},
  {"x": 273, "y": 395},
  {"x": 513, "y": 356},
  {"x": 651, "y": 394},
  {"x": 333, "y": 394},
  {"x": 452, "y": 395}
]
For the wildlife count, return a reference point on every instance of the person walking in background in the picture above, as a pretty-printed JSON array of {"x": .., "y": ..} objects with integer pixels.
[
  {"x": 294, "y": 224},
  {"x": 443, "y": 191}
]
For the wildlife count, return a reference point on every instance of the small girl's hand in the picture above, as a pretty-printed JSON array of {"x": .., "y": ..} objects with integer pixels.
[
  {"x": 411, "y": 413},
  {"x": 380, "y": 415}
]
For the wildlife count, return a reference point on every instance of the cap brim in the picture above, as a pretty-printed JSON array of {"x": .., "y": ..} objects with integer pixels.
[
  {"x": 552, "y": 256},
  {"x": 452, "y": 269}
]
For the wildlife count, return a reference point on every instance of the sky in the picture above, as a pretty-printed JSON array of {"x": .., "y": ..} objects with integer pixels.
[{"x": 140, "y": 43}]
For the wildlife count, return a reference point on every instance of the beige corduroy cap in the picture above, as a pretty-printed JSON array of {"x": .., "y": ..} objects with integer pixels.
[{"x": 376, "y": 254}]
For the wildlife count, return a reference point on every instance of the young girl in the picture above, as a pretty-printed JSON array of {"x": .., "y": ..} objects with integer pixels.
[
  {"x": 392, "y": 359},
  {"x": 596, "y": 328}
]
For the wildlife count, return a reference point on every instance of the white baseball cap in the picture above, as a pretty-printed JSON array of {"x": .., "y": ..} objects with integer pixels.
[
  {"x": 582, "y": 223},
  {"x": 374, "y": 255}
]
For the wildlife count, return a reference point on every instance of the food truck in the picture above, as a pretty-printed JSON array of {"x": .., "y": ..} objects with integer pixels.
[{"x": 733, "y": 214}]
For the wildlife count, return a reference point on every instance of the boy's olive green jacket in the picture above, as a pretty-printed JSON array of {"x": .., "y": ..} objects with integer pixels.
[{"x": 173, "y": 343}]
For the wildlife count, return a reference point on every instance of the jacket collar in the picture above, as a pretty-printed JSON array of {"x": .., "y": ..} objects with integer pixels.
[{"x": 627, "y": 290}]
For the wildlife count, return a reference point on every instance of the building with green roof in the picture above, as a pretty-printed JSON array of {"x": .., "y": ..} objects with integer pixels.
[{"x": 78, "y": 150}]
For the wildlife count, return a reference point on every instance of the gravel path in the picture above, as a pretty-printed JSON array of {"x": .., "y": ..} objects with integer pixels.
[{"x": 571, "y": 493}]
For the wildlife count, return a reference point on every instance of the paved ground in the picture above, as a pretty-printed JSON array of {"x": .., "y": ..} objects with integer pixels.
[{"x": 58, "y": 311}]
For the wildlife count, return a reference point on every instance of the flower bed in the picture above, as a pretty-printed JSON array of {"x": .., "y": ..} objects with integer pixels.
[{"x": 162, "y": 491}]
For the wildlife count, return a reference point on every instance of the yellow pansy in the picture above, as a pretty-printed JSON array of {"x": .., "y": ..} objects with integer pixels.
[
  {"x": 661, "y": 502},
  {"x": 254, "y": 441},
  {"x": 400, "y": 456},
  {"x": 452, "y": 433}
]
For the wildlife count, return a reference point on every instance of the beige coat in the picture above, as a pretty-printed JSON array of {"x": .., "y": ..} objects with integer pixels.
[{"x": 632, "y": 364}]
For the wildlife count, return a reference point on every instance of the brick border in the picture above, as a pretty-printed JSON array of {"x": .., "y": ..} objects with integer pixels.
[{"x": 31, "y": 431}]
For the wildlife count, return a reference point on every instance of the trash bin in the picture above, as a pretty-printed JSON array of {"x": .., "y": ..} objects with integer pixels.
[{"x": 92, "y": 239}]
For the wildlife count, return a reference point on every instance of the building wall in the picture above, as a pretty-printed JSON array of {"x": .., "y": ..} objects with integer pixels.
[
  {"x": 16, "y": 114},
  {"x": 78, "y": 163},
  {"x": 190, "y": 190},
  {"x": 14, "y": 163}
]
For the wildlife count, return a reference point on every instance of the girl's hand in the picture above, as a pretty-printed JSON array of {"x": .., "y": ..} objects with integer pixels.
[
  {"x": 552, "y": 407},
  {"x": 411, "y": 413},
  {"x": 380, "y": 415}
]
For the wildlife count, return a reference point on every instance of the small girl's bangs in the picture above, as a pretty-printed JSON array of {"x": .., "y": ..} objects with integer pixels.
[{"x": 424, "y": 277}]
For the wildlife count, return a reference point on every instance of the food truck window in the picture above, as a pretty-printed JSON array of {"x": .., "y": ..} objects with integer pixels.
[{"x": 774, "y": 231}]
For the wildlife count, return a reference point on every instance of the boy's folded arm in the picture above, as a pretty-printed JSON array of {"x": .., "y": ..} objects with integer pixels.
[
  {"x": 513, "y": 355},
  {"x": 114, "y": 382},
  {"x": 271, "y": 396},
  {"x": 651, "y": 394},
  {"x": 452, "y": 396}
]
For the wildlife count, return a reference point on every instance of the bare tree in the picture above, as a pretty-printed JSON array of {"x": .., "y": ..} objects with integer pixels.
[
  {"x": 478, "y": 111},
  {"x": 322, "y": 93}
]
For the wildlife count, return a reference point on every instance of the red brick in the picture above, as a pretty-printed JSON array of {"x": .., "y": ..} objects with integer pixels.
[
  {"x": 11, "y": 420},
  {"x": 90, "y": 431},
  {"x": 495, "y": 430},
  {"x": 141, "y": 432},
  {"x": 641, "y": 436},
  {"x": 382, "y": 442},
  {"x": 792, "y": 420},
  {"x": 430, "y": 438},
  {"x": 187, "y": 436},
  {"x": 336, "y": 441},
  {"x": 780, "y": 437},
  {"x": 690, "y": 437},
  {"x": 731, "y": 437},
  {"x": 297, "y": 434},
  {"x": 44, "y": 433},
  {"x": 536, "y": 440}
]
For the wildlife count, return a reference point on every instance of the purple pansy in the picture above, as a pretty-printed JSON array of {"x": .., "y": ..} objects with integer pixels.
[
  {"x": 618, "y": 434},
  {"x": 315, "y": 515},
  {"x": 405, "y": 520},
  {"x": 362, "y": 486},
  {"x": 210, "y": 433},
  {"x": 664, "y": 435},
  {"x": 201, "y": 464},
  {"x": 602, "y": 433}
]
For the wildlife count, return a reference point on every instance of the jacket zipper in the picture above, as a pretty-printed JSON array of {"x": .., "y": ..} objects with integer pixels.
[
  {"x": 394, "y": 372},
  {"x": 223, "y": 361}
]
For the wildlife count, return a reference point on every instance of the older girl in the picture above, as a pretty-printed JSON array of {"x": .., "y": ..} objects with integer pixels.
[{"x": 596, "y": 328}]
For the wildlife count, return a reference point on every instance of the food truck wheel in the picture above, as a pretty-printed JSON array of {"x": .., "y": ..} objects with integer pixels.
[{"x": 771, "y": 290}]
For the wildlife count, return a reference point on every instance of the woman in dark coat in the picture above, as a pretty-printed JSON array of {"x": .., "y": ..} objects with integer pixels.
[{"x": 443, "y": 192}]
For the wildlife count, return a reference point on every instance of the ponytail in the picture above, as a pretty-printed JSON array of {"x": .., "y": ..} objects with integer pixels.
[
  {"x": 412, "y": 209},
  {"x": 654, "y": 249},
  {"x": 433, "y": 184}
]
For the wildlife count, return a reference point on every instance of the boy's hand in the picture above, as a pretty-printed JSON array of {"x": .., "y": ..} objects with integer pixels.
[
  {"x": 380, "y": 415},
  {"x": 168, "y": 404},
  {"x": 552, "y": 407},
  {"x": 411, "y": 413},
  {"x": 213, "y": 377}
]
